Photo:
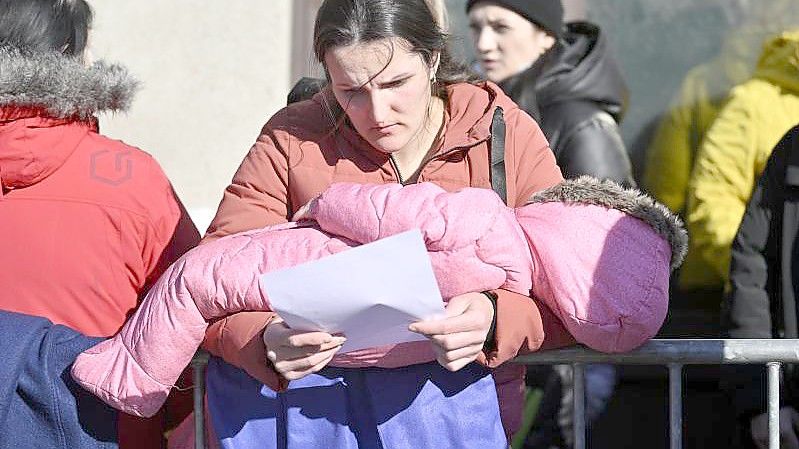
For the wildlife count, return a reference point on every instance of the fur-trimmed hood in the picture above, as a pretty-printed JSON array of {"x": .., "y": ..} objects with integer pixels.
[
  {"x": 62, "y": 86},
  {"x": 602, "y": 260},
  {"x": 608, "y": 194}
]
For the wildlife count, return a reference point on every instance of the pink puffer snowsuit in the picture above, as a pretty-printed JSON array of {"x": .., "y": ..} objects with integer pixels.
[{"x": 599, "y": 256}]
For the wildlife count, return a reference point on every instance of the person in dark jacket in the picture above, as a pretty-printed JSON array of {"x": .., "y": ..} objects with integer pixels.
[
  {"x": 40, "y": 405},
  {"x": 564, "y": 76},
  {"x": 761, "y": 302}
]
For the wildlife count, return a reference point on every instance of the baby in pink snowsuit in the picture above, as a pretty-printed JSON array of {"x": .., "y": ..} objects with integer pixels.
[{"x": 598, "y": 255}]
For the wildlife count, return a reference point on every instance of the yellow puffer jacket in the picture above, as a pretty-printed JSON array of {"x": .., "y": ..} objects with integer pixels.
[
  {"x": 702, "y": 92},
  {"x": 734, "y": 152},
  {"x": 670, "y": 157}
]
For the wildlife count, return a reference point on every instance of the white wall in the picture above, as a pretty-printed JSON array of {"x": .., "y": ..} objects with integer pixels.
[
  {"x": 212, "y": 73},
  {"x": 304, "y": 62}
]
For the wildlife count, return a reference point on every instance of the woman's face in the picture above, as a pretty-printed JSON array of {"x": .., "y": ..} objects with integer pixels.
[
  {"x": 506, "y": 43},
  {"x": 384, "y": 89}
]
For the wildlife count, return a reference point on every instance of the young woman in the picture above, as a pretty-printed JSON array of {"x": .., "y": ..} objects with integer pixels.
[
  {"x": 565, "y": 76},
  {"x": 396, "y": 110}
]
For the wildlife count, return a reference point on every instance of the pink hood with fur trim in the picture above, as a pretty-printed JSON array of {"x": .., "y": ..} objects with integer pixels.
[{"x": 599, "y": 256}]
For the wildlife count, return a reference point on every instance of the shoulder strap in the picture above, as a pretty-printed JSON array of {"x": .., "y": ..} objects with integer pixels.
[{"x": 497, "y": 149}]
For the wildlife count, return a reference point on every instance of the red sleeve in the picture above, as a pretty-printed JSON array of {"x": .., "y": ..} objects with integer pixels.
[
  {"x": 258, "y": 195},
  {"x": 524, "y": 325},
  {"x": 238, "y": 340},
  {"x": 169, "y": 233}
]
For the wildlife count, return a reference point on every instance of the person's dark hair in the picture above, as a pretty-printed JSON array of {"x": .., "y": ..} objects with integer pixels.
[
  {"x": 46, "y": 25},
  {"x": 340, "y": 23}
]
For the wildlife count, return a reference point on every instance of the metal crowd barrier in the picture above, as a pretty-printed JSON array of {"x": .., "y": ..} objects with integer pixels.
[
  {"x": 673, "y": 353},
  {"x": 198, "y": 365}
]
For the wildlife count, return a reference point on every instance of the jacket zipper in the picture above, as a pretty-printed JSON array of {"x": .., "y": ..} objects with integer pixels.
[
  {"x": 396, "y": 169},
  {"x": 425, "y": 162}
]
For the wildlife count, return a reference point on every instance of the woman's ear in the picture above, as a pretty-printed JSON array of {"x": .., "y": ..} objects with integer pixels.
[
  {"x": 546, "y": 41},
  {"x": 549, "y": 42}
]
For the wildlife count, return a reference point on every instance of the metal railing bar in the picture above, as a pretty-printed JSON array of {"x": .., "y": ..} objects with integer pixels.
[
  {"x": 198, "y": 364},
  {"x": 675, "y": 406},
  {"x": 682, "y": 351},
  {"x": 673, "y": 353},
  {"x": 578, "y": 376},
  {"x": 773, "y": 405}
]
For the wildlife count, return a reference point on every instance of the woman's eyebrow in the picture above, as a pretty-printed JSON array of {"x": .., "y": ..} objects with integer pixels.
[
  {"x": 401, "y": 77},
  {"x": 348, "y": 85},
  {"x": 394, "y": 79},
  {"x": 490, "y": 22}
]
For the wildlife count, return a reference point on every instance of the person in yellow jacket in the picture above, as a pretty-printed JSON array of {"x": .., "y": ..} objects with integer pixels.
[
  {"x": 671, "y": 154},
  {"x": 735, "y": 149},
  {"x": 701, "y": 95}
]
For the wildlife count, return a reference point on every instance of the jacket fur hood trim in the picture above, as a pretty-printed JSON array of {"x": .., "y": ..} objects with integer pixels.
[
  {"x": 608, "y": 194},
  {"x": 62, "y": 85}
]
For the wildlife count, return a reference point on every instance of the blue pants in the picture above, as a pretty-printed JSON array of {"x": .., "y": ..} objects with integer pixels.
[{"x": 368, "y": 408}]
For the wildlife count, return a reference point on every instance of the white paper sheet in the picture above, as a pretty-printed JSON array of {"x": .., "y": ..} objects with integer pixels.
[{"x": 370, "y": 293}]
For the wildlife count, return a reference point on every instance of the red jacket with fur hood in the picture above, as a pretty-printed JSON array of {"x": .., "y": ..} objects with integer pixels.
[{"x": 87, "y": 223}]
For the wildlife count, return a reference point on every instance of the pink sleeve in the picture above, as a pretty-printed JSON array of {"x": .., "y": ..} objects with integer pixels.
[{"x": 134, "y": 370}]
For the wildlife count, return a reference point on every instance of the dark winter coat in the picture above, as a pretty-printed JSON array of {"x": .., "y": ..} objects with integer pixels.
[
  {"x": 577, "y": 94},
  {"x": 764, "y": 285}
]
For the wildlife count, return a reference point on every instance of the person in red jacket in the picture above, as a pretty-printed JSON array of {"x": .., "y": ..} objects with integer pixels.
[{"x": 87, "y": 223}]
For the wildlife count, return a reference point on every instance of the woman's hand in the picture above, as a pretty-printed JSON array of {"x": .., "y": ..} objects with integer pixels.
[
  {"x": 459, "y": 338},
  {"x": 294, "y": 353}
]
